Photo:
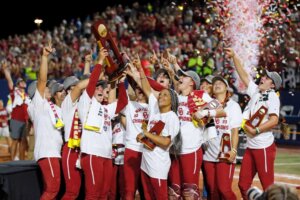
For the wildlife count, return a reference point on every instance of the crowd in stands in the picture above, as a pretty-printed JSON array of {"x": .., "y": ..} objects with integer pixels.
[{"x": 190, "y": 34}]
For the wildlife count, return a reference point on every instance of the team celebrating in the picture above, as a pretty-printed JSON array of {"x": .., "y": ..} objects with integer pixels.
[{"x": 151, "y": 135}]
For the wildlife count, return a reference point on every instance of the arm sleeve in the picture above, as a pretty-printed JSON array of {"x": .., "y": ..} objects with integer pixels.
[
  {"x": 93, "y": 80},
  {"x": 122, "y": 98}
]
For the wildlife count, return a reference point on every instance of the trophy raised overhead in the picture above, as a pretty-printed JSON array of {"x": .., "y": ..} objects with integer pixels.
[
  {"x": 225, "y": 148},
  {"x": 257, "y": 118},
  {"x": 116, "y": 61}
]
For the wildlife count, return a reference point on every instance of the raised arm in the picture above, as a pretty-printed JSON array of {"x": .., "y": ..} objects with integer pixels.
[
  {"x": 87, "y": 63},
  {"x": 136, "y": 71},
  {"x": 76, "y": 92},
  {"x": 238, "y": 65},
  {"x": 42, "y": 76},
  {"x": 144, "y": 82},
  {"x": 167, "y": 65},
  {"x": 134, "y": 74},
  {"x": 96, "y": 73},
  {"x": 112, "y": 93},
  {"x": 7, "y": 74}
]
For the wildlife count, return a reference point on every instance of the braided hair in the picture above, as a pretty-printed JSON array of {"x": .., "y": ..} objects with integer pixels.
[
  {"x": 175, "y": 149},
  {"x": 174, "y": 100}
]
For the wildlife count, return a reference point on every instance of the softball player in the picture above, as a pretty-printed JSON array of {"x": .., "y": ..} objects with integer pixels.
[
  {"x": 46, "y": 117},
  {"x": 218, "y": 173},
  {"x": 260, "y": 154},
  {"x": 156, "y": 163}
]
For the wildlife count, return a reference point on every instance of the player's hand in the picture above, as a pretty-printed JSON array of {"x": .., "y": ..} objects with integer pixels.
[
  {"x": 229, "y": 52},
  {"x": 47, "y": 50},
  {"x": 172, "y": 59},
  {"x": 232, "y": 156},
  {"x": 4, "y": 65},
  {"x": 137, "y": 61},
  {"x": 132, "y": 71},
  {"x": 166, "y": 64},
  {"x": 139, "y": 137},
  {"x": 88, "y": 57},
  {"x": 153, "y": 58},
  {"x": 102, "y": 55}
]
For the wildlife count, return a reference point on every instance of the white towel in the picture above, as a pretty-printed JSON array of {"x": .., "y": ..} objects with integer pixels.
[
  {"x": 95, "y": 117},
  {"x": 57, "y": 122},
  {"x": 18, "y": 100}
]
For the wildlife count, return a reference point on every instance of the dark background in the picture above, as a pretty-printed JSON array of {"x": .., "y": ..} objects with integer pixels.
[{"x": 16, "y": 17}]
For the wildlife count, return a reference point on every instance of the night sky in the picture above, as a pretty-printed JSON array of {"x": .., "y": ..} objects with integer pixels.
[{"x": 17, "y": 17}]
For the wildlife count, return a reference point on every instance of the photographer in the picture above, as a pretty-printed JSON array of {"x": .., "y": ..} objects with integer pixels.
[{"x": 274, "y": 192}]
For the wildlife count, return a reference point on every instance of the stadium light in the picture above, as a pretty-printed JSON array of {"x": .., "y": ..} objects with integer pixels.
[{"x": 38, "y": 22}]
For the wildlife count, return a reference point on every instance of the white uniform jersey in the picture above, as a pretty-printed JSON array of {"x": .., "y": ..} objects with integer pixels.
[
  {"x": 232, "y": 120},
  {"x": 48, "y": 139},
  {"x": 68, "y": 110},
  {"x": 192, "y": 137},
  {"x": 157, "y": 163},
  {"x": 271, "y": 101},
  {"x": 94, "y": 143},
  {"x": 118, "y": 138},
  {"x": 135, "y": 114}
]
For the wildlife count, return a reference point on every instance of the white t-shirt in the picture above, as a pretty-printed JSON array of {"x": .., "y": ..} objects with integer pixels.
[
  {"x": 118, "y": 137},
  {"x": 68, "y": 110},
  {"x": 48, "y": 139},
  {"x": 232, "y": 120},
  {"x": 135, "y": 114},
  {"x": 192, "y": 137},
  {"x": 157, "y": 163},
  {"x": 93, "y": 143},
  {"x": 271, "y": 101}
]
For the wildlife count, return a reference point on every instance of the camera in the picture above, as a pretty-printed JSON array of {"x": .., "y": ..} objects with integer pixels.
[{"x": 255, "y": 194}]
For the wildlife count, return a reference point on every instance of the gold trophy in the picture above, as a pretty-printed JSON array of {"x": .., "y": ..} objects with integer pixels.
[{"x": 116, "y": 62}]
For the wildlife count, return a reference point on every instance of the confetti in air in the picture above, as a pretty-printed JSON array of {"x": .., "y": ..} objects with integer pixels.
[
  {"x": 257, "y": 30},
  {"x": 243, "y": 32}
]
